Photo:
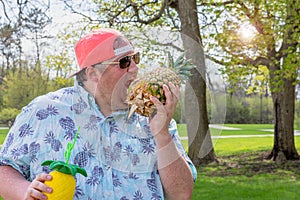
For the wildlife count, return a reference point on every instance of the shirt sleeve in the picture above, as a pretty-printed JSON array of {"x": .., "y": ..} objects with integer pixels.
[
  {"x": 21, "y": 145},
  {"x": 15, "y": 149},
  {"x": 175, "y": 136}
]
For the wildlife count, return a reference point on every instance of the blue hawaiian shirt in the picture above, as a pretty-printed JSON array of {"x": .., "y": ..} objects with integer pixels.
[{"x": 119, "y": 154}]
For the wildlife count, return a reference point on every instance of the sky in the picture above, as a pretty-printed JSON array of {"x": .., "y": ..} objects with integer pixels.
[{"x": 60, "y": 17}]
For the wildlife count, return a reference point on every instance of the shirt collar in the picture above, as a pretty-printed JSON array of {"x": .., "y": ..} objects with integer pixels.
[{"x": 87, "y": 97}]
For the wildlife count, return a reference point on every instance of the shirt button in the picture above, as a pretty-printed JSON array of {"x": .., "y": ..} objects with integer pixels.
[{"x": 108, "y": 194}]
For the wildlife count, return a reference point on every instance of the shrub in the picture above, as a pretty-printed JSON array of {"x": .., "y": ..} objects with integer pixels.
[{"x": 8, "y": 115}]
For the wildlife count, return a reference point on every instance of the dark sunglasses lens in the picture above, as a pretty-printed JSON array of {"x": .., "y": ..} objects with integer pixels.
[
  {"x": 136, "y": 58},
  {"x": 125, "y": 62}
]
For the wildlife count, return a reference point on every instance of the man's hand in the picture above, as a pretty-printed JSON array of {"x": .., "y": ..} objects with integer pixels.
[
  {"x": 37, "y": 186},
  {"x": 160, "y": 121},
  {"x": 175, "y": 173}
]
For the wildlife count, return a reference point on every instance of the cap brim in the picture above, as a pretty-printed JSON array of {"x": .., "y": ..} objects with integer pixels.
[{"x": 75, "y": 73}]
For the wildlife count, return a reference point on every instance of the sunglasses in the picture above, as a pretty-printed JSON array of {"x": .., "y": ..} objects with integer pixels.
[{"x": 125, "y": 61}]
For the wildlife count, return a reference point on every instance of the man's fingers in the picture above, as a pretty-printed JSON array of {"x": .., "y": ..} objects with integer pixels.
[
  {"x": 35, "y": 194},
  {"x": 156, "y": 102},
  {"x": 43, "y": 177},
  {"x": 41, "y": 187},
  {"x": 39, "y": 183},
  {"x": 37, "y": 187},
  {"x": 175, "y": 90}
]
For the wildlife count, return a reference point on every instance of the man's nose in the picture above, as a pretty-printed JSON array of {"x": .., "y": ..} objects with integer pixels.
[{"x": 133, "y": 67}]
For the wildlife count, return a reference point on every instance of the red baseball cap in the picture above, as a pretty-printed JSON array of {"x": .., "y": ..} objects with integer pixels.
[{"x": 98, "y": 46}]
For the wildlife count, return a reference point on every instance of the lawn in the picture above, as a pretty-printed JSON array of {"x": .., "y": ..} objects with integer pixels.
[
  {"x": 242, "y": 182},
  {"x": 240, "y": 129},
  {"x": 3, "y": 133},
  {"x": 242, "y": 172}
]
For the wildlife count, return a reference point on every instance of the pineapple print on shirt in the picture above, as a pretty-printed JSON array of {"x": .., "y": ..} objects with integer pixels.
[
  {"x": 32, "y": 150},
  {"x": 79, "y": 107},
  {"x": 82, "y": 158},
  {"x": 96, "y": 177},
  {"x": 69, "y": 126},
  {"x": 55, "y": 143},
  {"x": 44, "y": 113}
]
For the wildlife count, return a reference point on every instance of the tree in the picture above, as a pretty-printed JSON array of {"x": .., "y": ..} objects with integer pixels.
[
  {"x": 273, "y": 44},
  {"x": 21, "y": 86},
  {"x": 21, "y": 19},
  {"x": 21, "y": 75},
  {"x": 200, "y": 144},
  {"x": 8, "y": 47},
  {"x": 175, "y": 15}
]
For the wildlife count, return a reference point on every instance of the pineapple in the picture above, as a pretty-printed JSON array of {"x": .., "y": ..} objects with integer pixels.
[
  {"x": 151, "y": 84},
  {"x": 63, "y": 182}
]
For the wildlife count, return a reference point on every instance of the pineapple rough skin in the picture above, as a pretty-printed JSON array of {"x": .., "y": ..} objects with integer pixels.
[{"x": 150, "y": 85}]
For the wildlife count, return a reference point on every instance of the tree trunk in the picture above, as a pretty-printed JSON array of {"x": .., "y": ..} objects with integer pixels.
[
  {"x": 200, "y": 143},
  {"x": 284, "y": 110}
]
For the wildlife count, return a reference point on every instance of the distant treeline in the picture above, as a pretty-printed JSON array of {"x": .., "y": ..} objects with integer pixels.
[{"x": 255, "y": 109}]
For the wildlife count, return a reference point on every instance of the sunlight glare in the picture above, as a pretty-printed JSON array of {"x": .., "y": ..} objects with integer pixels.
[{"x": 247, "y": 32}]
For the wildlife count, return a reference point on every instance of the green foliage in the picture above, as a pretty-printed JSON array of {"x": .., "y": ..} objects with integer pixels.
[
  {"x": 22, "y": 86},
  {"x": 179, "y": 115},
  {"x": 61, "y": 61},
  {"x": 241, "y": 110},
  {"x": 8, "y": 114},
  {"x": 261, "y": 109},
  {"x": 237, "y": 112},
  {"x": 1, "y": 96},
  {"x": 59, "y": 82},
  {"x": 250, "y": 34}
]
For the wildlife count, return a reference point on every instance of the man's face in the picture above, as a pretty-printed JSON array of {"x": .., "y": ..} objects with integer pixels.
[{"x": 114, "y": 82}]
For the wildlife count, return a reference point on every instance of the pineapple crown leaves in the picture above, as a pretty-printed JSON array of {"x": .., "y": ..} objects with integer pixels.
[
  {"x": 65, "y": 167},
  {"x": 180, "y": 66}
]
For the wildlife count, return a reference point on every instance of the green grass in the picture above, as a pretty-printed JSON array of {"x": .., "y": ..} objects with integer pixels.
[
  {"x": 243, "y": 173},
  {"x": 245, "y": 129},
  {"x": 247, "y": 176},
  {"x": 3, "y": 133},
  {"x": 233, "y": 146},
  {"x": 240, "y": 187}
]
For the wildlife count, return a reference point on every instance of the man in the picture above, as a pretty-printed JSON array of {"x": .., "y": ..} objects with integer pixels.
[{"x": 135, "y": 158}]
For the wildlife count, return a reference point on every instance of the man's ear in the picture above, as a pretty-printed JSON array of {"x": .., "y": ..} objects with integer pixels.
[{"x": 92, "y": 74}]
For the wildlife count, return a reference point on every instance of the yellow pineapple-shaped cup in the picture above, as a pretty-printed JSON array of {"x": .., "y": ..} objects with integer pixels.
[{"x": 63, "y": 181}]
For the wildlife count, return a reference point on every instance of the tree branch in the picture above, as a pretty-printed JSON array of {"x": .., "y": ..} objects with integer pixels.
[
  {"x": 246, "y": 61},
  {"x": 155, "y": 17},
  {"x": 255, "y": 62},
  {"x": 76, "y": 12},
  {"x": 4, "y": 10},
  {"x": 156, "y": 42},
  {"x": 216, "y": 3},
  {"x": 216, "y": 60},
  {"x": 172, "y": 19},
  {"x": 254, "y": 20},
  {"x": 292, "y": 26}
]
